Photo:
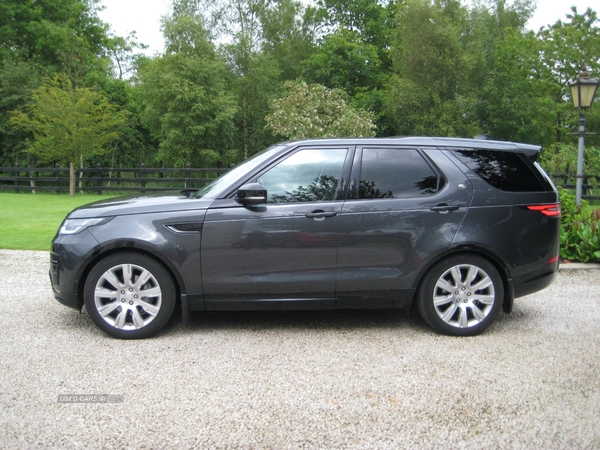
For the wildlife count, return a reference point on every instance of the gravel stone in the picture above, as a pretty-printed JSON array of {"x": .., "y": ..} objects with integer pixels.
[{"x": 296, "y": 380}]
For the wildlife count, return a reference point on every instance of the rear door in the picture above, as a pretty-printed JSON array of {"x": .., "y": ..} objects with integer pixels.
[{"x": 404, "y": 208}]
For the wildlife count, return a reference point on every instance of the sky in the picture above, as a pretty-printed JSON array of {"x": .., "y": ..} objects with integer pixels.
[{"x": 143, "y": 17}]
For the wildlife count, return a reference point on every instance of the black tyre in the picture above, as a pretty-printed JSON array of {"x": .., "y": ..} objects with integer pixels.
[
  {"x": 129, "y": 295},
  {"x": 461, "y": 295}
]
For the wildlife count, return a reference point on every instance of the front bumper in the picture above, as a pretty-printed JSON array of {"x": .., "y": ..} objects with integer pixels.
[{"x": 69, "y": 257}]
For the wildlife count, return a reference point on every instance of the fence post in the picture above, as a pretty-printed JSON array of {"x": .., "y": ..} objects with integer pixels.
[
  {"x": 17, "y": 173},
  {"x": 187, "y": 176},
  {"x": 143, "y": 178},
  {"x": 57, "y": 178},
  {"x": 99, "y": 181}
]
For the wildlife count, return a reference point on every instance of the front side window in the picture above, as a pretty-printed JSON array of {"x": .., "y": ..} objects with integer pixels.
[
  {"x": 308, "y": 175},
  {"x": 396, "y": 173}
]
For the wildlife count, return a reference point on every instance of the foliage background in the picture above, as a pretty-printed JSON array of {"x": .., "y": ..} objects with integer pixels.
[{"x": 226, "y": 85}]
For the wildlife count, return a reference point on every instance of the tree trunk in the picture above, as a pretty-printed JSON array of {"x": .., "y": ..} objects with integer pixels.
[
  {"x": 71, "y": 179},
  {"x": 80, "y": 174},
  {"x": 245, "y": 132},
  {"x": 32, "y": 182}
]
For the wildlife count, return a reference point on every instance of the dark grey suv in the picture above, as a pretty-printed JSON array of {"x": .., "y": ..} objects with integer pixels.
[{"x": 460, "y": 227}]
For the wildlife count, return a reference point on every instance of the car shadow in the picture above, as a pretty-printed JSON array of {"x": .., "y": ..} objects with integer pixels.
[{"x": 296, "y": 320}]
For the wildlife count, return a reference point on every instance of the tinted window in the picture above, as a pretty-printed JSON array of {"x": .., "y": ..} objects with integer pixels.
[
  {"x": 507, "y": 171},
  {"x": 395, "y": 173},
  {"x": 307, "y": 176}
]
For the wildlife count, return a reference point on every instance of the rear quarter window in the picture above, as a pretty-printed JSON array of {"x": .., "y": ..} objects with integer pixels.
[{"x": 507, "y": 171}]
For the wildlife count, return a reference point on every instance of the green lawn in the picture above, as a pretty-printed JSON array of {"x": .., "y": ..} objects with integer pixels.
[{"x": 29, "y": 222}]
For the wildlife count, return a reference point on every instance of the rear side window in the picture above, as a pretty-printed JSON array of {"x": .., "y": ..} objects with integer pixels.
[
  {"x": 396, "y": 173},
  {"x": 507, "y": 171}
]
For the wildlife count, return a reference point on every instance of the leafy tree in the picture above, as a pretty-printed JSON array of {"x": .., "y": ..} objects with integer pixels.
[
  {"x": 371, "y": 20},
  {"x": 489, "y": 22},
  {"x": 121, "y": 51},
  {"x": 58, "y": 36},
  {"x": 517, "y": 102},
  {"x": 288, "y": 36},
  {"x": 17, "y": 80},
  {"x": 255, "y": 74},
  {"x": 68, "y": 123},
  {"x": 427, "y": 93},
  {"x": 567, "y": 47},
  {"x": 311, "y": 111},
  {"x": 43, "y": 38},
  {"x": 345, "y": 61},
  {"x": 526, "y": 96},
  {"x": 185, "y": 102}
]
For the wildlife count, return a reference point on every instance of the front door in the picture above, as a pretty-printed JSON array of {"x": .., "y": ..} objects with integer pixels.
[{"x": 284, "y": 252}]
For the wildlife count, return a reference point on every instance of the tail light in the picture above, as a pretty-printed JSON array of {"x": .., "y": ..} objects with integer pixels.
[{"x": 551, "y": 210}]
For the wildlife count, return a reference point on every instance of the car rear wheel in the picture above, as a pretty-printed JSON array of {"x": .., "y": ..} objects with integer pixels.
[
  {"x": 461, "y": 295},
  {"x": 129, "y": 295}
]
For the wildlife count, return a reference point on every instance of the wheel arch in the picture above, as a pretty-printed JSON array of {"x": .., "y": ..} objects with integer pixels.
[
  {"x": 501, "y": 267},
  {"x": 139, "y": 249}
]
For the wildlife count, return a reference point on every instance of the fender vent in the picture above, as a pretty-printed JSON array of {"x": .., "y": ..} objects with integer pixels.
[{"x": 192, "y": 227}]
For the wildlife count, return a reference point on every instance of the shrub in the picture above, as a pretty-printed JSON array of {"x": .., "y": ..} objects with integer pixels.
[{"x": 580, "y": 230}]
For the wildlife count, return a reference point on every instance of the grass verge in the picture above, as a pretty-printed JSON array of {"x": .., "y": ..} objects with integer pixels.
[{"x": 29, "y": 222}]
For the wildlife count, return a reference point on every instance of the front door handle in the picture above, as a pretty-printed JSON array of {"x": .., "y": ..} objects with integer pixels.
[
  {"x": 444, "y": 208},
  {"x": 320, "y": 215}
]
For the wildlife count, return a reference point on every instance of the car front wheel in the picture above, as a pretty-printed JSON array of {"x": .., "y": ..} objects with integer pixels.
[
  {"x": 129, "y": 295},
  {"x": 461, "y": 295}
]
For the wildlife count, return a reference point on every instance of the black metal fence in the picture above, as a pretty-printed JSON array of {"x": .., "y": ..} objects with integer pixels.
[
  {"x": 102, "y": 180},
  {"x": 144, "y": 179}
]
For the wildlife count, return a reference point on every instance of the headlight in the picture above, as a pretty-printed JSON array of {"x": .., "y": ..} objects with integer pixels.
[{"x": 74, "y": 226}]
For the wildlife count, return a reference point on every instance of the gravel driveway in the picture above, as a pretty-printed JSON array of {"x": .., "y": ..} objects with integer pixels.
[{"x": 359, "y": 380}]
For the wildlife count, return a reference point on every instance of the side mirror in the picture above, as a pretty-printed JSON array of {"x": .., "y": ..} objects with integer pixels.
[{"x": 251, "y": 194}]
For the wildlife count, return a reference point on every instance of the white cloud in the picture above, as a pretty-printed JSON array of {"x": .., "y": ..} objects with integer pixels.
[{"x": 141, "y": 16}]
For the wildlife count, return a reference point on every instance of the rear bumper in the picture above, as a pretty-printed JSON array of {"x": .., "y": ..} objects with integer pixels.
[{"x": 536, "y": 281}]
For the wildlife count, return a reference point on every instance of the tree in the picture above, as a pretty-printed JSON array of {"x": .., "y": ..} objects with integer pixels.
[
  {"x": 345, "y": 61},
  {"x": 185, "y": 102},
  {"x": 288, "y": 36},
  {"x": 516, "y": 102},
  {"x": 43, "y": 38},
  {"x": 58, "y": 36},
  {"x": 123, "y": 59},
  {"x": 567, "y": 47},
  {"x": 68, "y": 124},
  {"x": 371, "y": 20},
  {"x": 311, "y": 111},
  {"x": 427, "y": 93},
  {"x": 17, "y": 80}
]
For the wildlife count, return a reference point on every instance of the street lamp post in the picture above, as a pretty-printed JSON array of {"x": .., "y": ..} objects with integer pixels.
[{"x": 583, "y": 91}]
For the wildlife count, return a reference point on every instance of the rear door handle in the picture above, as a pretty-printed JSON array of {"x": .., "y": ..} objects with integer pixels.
[
  {"x": 320, "y": 215},
  {"x": 444, "y": 208}
]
